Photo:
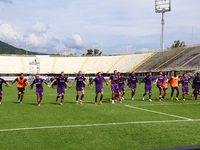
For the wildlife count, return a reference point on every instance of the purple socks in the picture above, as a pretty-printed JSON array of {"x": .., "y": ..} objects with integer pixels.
[
  {"x": 133, "y": 93},
  {"x": 62, "y": 98},
  {"x": 82, "y": 97},
  {"x": 77, "y": 96},
  {"x": 101, "y": 97}
]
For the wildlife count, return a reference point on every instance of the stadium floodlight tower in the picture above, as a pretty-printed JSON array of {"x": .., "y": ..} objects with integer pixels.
[{"x": 162, "y": 6}]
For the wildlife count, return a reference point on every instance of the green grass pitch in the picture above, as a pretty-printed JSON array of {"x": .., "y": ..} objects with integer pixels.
[{"x": 142, "y": 129}]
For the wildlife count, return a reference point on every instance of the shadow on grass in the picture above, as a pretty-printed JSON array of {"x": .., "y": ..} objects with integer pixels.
[
  {"x": 34, "y": 104},
  {"x": 16, "y": 102},
  {"x": 106, "y": 100},
  {"x": 53, "y": 103},
  {"x": 24, "y": 103}
]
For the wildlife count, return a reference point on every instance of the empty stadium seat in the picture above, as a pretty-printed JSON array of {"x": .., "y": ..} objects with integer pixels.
[{"x": 174, "y": 59}]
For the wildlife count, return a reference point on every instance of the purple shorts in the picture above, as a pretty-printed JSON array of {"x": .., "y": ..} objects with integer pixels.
[
  {"x": 1, "y": 92},
  {"x": 197, "y": 88},
  {"x": 121, "y": 89},
  {"x": 133, "y": 87},
  {"x": 114, "y": 88},
  {"x": 176, "y": 87},
  {"x": 148, "y": 88},
  {"x": 79, "y": 88},
  {"x": 185, "y": 89},
  {"x": 39, "y": 92},
  {"x": 60, "y": 90},
  {"x": 159, "y": 86},
  {"x": 165, "y": 89},
  {"x": 99, "y": 90}
]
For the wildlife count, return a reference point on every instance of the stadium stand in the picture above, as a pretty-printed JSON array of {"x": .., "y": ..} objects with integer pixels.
[
  {"x": 144, "y": 61},
  {"x": 174, "y": 59},
  {"x": 103, "y": 64},
  {"x": 171, "y": 60},
  {"x": 130, "y": 61},
  {"x": 11, "y": 64},
  {"x": 54, "y": 65},
  {"x": 160, "y": 59},
  {"x": 189, "y": 59},
  {"x": 68, "y": 64}
]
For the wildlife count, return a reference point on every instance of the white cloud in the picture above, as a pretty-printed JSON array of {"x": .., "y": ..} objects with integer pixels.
[
  {"x": 42, "y": 42},
  {"x": 75, "y": 44},
  {"x": 74, "y": 41},
  {"x": 145, "y": 50},
  {"x": 40, "y": 27},
  {"x": 78, "y": 40},
  {"x": 36, "y": 41},
  {"x": 31, "y": 41},
  {"x": 8, "y": 34},
  {"x": 129, "y": 46},
  {"x": 60, "y": 48}
]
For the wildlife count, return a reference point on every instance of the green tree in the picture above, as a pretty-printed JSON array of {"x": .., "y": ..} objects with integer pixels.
[
  {"x": 56, "y": 54},
  {"x": 100, "y": 54},
  {"x": 19, "y": 52},
  {"x": 89, "y": 52},
  {"x": 96, "y": 51},
  {"x": 92, "y": 52},
  {"x": 177, "y": 44}
]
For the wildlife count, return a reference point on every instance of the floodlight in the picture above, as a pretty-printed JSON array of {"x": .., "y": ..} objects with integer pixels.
[{"x": 162, "y": 6}]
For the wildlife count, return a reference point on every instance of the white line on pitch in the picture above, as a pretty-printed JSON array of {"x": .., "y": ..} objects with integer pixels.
[
  {"x": 103, "y": 124},
  {"x": 157, "y": 112},
  {"x": 163, "y": 104}
]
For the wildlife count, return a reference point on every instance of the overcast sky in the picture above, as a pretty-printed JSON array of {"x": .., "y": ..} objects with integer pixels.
[{"x": 73, "y": 26}]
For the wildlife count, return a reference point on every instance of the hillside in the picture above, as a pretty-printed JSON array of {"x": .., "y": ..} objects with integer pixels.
[{"x": 9, "y": 49}]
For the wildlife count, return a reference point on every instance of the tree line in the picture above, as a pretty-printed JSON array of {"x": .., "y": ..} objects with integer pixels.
[{"x": 91, "y": 52}]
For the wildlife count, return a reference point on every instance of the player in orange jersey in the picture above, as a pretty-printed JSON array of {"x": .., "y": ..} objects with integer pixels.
[
  {"x": 174, "y": 82},
  {"x": 165, "y": 86},
  {"x": 21, "y": 84}
]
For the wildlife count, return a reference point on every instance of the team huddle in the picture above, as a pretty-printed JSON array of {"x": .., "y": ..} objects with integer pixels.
[
  {"x": 162, "y": 82},
  {"x": 118, "y": 81}
]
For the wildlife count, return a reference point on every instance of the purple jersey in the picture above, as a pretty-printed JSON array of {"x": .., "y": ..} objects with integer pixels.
[
  {"x": 196, "y": 82},
  {"x": 61, "y": 81},
  {"x": 121, "y": 82},
  {"x": 133, "y": 80},
  {"x": 160, "y": 80},
  {"x": 99, "y": 82},
  {"x": 38, "y": 83},
  {"x": 185, "y": 82},
  {"x": 148, "y": 80},
  {"x": 1, "y": 82},
  {"x": 79, "y": 81},
  {"x": 114, "y": 80}
]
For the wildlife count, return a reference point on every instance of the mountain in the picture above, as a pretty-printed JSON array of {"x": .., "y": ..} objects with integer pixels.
[{"x": 6, "y": 48}]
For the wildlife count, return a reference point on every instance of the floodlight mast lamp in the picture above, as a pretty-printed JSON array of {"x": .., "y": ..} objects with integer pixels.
[{"x": 162, "y": 6}]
